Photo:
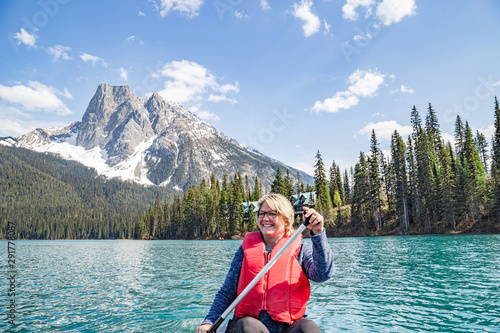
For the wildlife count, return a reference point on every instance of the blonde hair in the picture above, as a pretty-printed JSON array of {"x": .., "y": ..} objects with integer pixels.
[{"x": 281, "y": 205}]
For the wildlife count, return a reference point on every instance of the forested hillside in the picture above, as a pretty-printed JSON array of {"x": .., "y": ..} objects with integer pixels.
[{"x": 51, "y": 198}]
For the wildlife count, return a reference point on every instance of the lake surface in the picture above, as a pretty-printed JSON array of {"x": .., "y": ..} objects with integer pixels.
[{"x": 382, "y": 284}]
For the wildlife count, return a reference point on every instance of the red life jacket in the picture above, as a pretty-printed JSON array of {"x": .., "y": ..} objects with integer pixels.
[{"x": 283, "y": 291}]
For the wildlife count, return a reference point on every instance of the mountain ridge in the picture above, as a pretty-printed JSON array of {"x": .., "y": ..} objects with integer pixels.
[{"x": 150, "y": 142}]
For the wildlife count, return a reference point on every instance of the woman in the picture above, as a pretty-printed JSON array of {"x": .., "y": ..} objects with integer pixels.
[{"x": 278, "y": 302}]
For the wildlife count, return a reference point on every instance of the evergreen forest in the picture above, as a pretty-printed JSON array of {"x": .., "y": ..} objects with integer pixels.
[
  {"x": 51, "y": 198},
  {"x": 425, "y": 186}
]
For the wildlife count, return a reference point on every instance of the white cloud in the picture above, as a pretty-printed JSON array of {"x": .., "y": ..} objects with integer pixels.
[
  {"x": 393, "y": 11},
  {"x": 93, "y": 59},
  {"x": 407, "y": 90},
  {"x": 341, "y": 100},
  {"x": 264, "y": 4},
  {"x": 362, "y": 37},
  {"x": 221, "y": 98},
  {"x": 141, "y": 13},
  {"x": 207, "y": 115},
  {"x": 24, "y": 37},
  {"x": 362, "y": 84},
  {"x": 188, "y": 7},
  {"x": 59, "y": 52},
  {"x": 447, "y": 137},
  {"x": 12, "y": 127},
  {"x": 189, "y": 81},
  {"x": 134, "y": 39},
  {"x": 365, "y": 83},
  {"x": 36, "y": 97},
  {"x": 385, "y": 129},
  {"x": 387, "y": 11},
  {"x": 403, "y": 89},
  {"x": 304, "y": 13},
  {"x": 327, "y": 27},
  {"x": 227, "y": 88},
  {"x": 488, "y": 132},
  {"x": 349, "y": 9},
  {"x": 203, "y": 114},
  {"x": 240, "y": 15},
  {"x": 66, "y": 94},
  {"x": 123, "y": 74}
]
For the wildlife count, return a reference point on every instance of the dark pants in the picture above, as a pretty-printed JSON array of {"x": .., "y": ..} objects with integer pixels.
[{"x": 252, "y": 325}]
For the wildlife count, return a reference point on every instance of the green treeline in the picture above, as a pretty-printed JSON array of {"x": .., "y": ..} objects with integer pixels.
[
  {"x": 206, "y": 211},
  {"x": 51, "y": 198},
  {"x": 212, "y": 210},
  {"x": 426, "y": 185}
]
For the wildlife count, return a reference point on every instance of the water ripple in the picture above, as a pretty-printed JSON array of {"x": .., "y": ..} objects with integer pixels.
[{"x": 389, "y": 284}]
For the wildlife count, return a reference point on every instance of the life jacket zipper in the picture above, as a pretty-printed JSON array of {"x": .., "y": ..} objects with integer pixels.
[{"x": 265, "y": 282}]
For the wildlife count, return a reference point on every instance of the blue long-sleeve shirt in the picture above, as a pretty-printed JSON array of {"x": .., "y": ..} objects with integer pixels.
[{"x": 316, "y": 261}]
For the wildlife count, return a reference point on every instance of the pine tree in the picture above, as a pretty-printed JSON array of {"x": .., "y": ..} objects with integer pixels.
[
  {"x": 414, "y": 193},
  {"x": 299, "y": 186},
  {"x": 375, "y": 182},
  {"x": 425, "y": 158},
  {"x": 247, "y": 189},
  {"x": 340, "y": 187},
  {"x": 223, "y": 220},
  {"x": 278, "y": 186},
  {"x": 398, "y": 151},
  {"x": 238, "y": 199},
  {"x": 482, "y": 148},
  {"x": 361, "y": 193},
  {"x": 436, "y": 160},
  {"x": 432, "y": 129},
  {"x": 252, "y": 221},
  {"x": 347, "y": 188},
  {"x": 288, "y": 183},
  {"x": 495, "y": 161},
  {"x": 476, "y": 181},
  {"x": 214, "y": 205},
  {"x": 257, "y": 189},
  {"x": 323, "y": 195},
  {"x": 459, "y": 136},
  {"x": 333, "y": 184},
  {"x": 388, "y": 183},
  {"x": 447, "y": 194}
]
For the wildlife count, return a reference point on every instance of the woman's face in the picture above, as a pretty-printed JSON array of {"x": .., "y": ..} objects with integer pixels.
[{"x": 270, "y": 226}]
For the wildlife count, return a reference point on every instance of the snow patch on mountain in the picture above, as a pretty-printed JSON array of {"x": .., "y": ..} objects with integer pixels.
[{"x": 8, "y": 142}]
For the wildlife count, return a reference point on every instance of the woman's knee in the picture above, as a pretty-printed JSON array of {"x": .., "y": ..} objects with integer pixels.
[
  {"x": 303, "y": 325},
  {"x": 246, "y": 325}
]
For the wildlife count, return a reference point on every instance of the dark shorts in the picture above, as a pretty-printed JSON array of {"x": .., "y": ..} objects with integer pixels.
[{"x": 252, "y": 325}]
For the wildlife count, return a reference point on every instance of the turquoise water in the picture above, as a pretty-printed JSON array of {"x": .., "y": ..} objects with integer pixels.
[{"x": 383, "y": 284}]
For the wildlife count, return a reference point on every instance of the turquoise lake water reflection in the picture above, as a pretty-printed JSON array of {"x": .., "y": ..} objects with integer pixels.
[{"x": 382, "y": 284}]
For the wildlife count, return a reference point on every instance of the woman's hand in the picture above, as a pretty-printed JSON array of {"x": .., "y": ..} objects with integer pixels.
[
  {"x": 203, "y": 328},
  {"x": 316, "y": 221}
]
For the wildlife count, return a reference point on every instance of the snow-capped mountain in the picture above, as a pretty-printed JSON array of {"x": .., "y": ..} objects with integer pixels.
[{"x": 151, "y": 142}]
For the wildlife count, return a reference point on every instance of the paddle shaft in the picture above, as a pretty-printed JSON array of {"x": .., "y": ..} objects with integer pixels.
[{"x": 259, "y": 276}]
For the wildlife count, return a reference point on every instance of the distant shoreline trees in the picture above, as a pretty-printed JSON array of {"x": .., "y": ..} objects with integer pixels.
[{"x": 425, "y": 186}]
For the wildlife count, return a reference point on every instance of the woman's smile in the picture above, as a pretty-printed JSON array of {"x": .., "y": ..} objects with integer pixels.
[{"x": 271, "y": 224}]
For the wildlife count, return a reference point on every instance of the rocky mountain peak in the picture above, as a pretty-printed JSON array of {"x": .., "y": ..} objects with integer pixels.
[
  {"x": 152, "y": 142},
  {"x": 116, "y": 121}
]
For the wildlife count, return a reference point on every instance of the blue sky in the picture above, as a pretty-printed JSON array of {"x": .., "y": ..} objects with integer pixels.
[{"x": 288, "y": 78}]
